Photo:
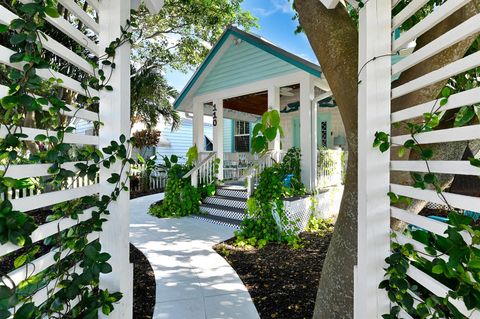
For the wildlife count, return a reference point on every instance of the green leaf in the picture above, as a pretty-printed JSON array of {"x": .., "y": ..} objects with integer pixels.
[
  {"x": 474, "y": 162},
  {"x": 20, "y": 261},
  {"x": 90, "y": 252},
  {"x": 17, "y": 39},
  {"x": 274, "y": 118},
  {"x": 40, "y": 138},
  {"x": 52, "y": 12},
  {"x": 271, "y": 133},
  {"x": 3, "y": 28},
  {"x": 16, "y": 238},
  {"x": 437, "y": 269},
  {"x": 26, "y": 311},
  {"x": 105, "y": 268},
  {"x": 427, "y": 154},
  {"x": 446, "y": 92},
  {"x": 256, "y": 129},
  {"x": 385, "y": 146},
  {"x": 464, "y": 116}
]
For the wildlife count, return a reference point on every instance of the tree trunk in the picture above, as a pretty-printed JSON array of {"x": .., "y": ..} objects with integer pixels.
[{"x": 334, "y": 39}]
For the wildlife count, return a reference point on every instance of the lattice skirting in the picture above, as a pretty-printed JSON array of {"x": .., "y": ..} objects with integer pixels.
[
  {"x": 217, "y": 222},
  {"x": 298, "y": 212}
]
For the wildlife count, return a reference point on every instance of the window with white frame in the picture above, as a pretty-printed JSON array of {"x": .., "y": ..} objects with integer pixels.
[{"x": 242, "y": 136}]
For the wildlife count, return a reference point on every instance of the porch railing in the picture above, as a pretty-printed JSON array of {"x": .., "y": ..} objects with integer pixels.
[
  {"x": 204, "y": 172},
  {"x": 330, "y": 168}
]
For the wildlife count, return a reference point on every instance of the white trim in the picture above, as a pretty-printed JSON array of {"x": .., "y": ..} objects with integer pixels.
[{"x": 253, "y": 87}]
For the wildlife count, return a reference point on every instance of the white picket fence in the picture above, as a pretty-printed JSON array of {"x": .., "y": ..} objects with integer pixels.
[
  {"x": 114, "y": 112},
  {"x": 156, "y": 181},
  {"x": 376, "y": 26}
]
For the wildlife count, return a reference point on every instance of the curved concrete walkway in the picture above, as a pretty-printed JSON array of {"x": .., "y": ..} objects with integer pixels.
[{"x": 193, "y": 281}]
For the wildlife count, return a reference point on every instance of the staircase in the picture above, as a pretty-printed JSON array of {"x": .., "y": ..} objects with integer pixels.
[{"x": 227, "y": 207}]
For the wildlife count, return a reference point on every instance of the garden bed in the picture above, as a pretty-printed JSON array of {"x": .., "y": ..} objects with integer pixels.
[
  {"x": 282, "y": 281},
  {"x": 144, "y": 285}
]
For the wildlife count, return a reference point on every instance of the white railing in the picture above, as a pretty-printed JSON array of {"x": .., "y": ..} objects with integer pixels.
[
  {"x": 330, "y": 168},
  {"x": 252, "y": 175},
  {"x": 205, "y": 171}
]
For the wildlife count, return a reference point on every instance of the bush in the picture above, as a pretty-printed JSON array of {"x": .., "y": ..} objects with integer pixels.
[{"x": 181, "y": 198}]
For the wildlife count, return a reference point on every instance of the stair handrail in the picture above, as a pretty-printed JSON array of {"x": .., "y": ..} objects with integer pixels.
[
  {"x": 257, "y": 167},
  {"x": 205, "y": 167}
]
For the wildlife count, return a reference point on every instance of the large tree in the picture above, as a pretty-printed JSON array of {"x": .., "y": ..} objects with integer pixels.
[
  {"x": 333, "y": 35},
  {"x": 181, "y": 34},
  {"x": 178, "y": 38}
]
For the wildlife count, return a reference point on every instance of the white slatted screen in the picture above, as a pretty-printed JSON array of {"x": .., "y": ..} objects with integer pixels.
[
  {"x": 374, "y": 115},
  {"x": 114, "y": 113}
]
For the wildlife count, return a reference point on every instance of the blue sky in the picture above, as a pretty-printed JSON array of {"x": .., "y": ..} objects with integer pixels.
[{"x": 276, "y": 25}]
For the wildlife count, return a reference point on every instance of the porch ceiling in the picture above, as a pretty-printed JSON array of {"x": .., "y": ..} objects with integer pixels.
[{"x": 256, "y": 103}]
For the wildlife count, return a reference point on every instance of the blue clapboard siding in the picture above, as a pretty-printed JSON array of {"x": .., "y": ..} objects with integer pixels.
[
  {"x": 243, "y": 63},
  {"x": 182, "y": 139},
  {"x": 228, "y": 135}
]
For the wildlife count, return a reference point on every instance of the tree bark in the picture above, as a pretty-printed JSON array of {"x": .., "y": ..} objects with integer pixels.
[{"x": 334, "y": 39}]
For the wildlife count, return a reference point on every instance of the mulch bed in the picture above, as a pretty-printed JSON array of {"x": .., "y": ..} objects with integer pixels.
[
  {"x": 282, "y": 281},
  {"x": 143, "y": 285}
]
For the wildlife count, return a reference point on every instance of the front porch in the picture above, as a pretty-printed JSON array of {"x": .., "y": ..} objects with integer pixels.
[{"x": 235, "y": 92}]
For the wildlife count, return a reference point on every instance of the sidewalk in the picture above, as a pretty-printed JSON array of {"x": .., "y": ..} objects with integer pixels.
[{"x": 193, "y": 281}]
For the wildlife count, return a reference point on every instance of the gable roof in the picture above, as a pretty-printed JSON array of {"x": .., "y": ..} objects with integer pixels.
[{"x": 256, "y": 41}]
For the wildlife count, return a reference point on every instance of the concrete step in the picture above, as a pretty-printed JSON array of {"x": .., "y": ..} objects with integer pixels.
[
  {"x": 234, "y": 202},
  {"x": 223, "y": 211},
  {"x": 232, "y": 191}
]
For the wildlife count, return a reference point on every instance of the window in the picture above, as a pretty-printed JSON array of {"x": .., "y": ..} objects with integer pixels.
[
  {"x": 242, "y": 136},
  {"x": 324, "y": 130}
]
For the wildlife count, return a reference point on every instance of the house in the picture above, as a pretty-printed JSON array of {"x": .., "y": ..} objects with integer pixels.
[{"x": 245, "y": 75}]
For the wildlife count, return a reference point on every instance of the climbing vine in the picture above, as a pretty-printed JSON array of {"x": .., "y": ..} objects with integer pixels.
[
  {"x": 78, "y": 260},
  {"x": 453, "y": 258}
]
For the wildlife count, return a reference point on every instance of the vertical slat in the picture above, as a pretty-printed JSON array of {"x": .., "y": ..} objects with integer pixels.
[
  {"x": 115, "y": 114},
  {"x": 373, "y": 166}
]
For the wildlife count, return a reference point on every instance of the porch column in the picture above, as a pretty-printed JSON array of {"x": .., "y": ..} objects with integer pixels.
[
  {"x": 274, "y": 104},
  {"x": 198, "y": 135},
  {"x": 314, "y": 140},
  {"x": 306, "y": 134},
  {"x": 218, "y": 133}
]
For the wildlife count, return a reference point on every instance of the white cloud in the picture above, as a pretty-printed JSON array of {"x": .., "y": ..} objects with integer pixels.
[{"x": 283, "y": 6}]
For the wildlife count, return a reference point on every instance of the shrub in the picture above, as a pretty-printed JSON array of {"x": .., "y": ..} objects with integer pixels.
[
  {"x": 181, "y": 198},
  {"x": 266, "y": 220}
]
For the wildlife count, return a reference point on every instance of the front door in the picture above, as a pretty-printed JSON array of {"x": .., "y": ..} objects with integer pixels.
[{"x": 324, "y": 131}]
